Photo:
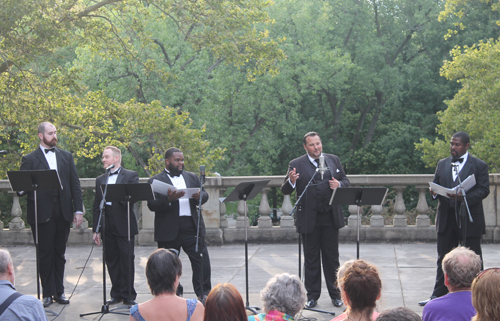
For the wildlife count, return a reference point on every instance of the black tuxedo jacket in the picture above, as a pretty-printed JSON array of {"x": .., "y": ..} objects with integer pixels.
[
  {"x": 306, "y": 211},
  {"x": 475, "y": 195},
  {"x": 118, "y": 209},
  {"x": 70, "y": 197},
  {"x": 167, "y": 214}
]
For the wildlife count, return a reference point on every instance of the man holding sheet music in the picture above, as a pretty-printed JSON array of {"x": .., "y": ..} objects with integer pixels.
[
  {"x": 448, "y": 221},
  {"x": 119, "y": 250},
  {"x": 176, "y": 218}
]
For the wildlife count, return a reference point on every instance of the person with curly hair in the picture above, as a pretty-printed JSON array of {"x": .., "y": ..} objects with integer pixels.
[{"x": 360, "y": 287}]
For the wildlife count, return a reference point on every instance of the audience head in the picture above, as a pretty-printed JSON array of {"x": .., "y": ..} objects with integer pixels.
[
  {"x": 163, "y": 270},
  {"x": 361, "y": 287},
  {"x": 224, "y": 303},
  {"x": 6, "y": 266},
  {"x": 284, "y": 293},
  {"x": 342, "y": 269},
  {"x": 486, "y": 295},
  {"x": 460, "y": 267},
  {"x": 398, "y": 314}
]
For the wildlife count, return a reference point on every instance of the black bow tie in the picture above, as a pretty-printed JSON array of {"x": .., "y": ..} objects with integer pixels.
[
  {"x": 114, "y": 173},
  {"x": 53, "y": 149},
  {"x": 457, "y": 160}
]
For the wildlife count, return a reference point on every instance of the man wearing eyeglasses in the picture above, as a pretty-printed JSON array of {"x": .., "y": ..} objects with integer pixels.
[
  {"x": 448, "y": 221},
  {"x": 176, "y": 219}
]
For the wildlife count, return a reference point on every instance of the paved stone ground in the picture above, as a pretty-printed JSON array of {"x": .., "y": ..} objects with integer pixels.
[{"x": 407, "y": 270}]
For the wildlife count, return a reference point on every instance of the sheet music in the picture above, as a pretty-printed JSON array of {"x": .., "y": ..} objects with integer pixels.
[
  {"x": 467, "y": 184},
  {"x": 163, "y": 188}
]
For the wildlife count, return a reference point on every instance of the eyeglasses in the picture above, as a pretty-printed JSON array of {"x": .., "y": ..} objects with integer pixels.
[
  {"x": 482, "y": 272},
  {"x": 174, "y": 251}
]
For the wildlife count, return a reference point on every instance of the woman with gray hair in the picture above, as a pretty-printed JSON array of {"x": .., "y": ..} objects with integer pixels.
[{"x": 282, "y": 298}]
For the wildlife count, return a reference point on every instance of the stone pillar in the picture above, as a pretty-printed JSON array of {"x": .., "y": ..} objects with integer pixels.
[
  {"x": 241, "y": 220},
  {"x": 286, "y": 219},
  {"x": 211, "y": 209},
  {"x": 264, "y": 209},
  {"x": 423, "y": 219},
  {"x": 352, "y": 221},
  {"x": 16, "y": 223},
  {"x": 147, "y": 216},
  {"x": 223, "y": 218},
  {"x": 400, "y": 208},
  {"x": 377, "y": 220}
]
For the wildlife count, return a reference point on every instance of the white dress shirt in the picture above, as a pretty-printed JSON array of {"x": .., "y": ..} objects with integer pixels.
[{"x": 180, "y": 183}]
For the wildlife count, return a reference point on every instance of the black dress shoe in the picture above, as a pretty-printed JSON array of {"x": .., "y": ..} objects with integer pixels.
[
  {"x": 61, "y": 299},
  {"x": 311, "y": 303},
  {"x": 129, "y": 302},
  {"x": 114, "y": 301},
  {"x": 337, "y": 303},
  {"x": 423, "y": 303},
  {"x": 47, "y": 301}
]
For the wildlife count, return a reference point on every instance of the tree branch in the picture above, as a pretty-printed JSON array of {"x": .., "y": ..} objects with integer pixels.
[
  {"x": 96, "y": 7},
  {"x": 164, "y": 51}
]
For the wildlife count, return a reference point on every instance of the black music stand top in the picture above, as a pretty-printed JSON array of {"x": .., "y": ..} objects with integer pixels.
[
  {"x": 122, "y": 192},
  {"x": 43, "y": 179},
  {"x": 246, "y": 190},
  {"x": 358, "y": 196}
]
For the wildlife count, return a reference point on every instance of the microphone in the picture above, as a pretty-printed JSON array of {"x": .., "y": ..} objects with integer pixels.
[
  {"x": 110, "y": 167},
  {"x": 322, "y": 169},
  {"x": 202, "y": 173}
]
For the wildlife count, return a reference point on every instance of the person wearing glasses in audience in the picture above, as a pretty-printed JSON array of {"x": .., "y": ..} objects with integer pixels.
[
  {"x": 486, "y": 295},
  {"x": 176, "y": 219},
  {"x": 163, "y": 270}
]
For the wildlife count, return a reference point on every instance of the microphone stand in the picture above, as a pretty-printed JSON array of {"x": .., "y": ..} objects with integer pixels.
[
  {"x": 197, "y": 250},
  {"x": 300, "y": 237},
  {"x": 463, "y": 217}
]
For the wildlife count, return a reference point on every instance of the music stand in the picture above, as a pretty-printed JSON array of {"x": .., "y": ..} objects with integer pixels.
[
  {"x": 35, "y": 180},
  {"x": 129, "y": 193},
  {"x": 246, "y": 191},
  {"x": 358, "y": 196}
]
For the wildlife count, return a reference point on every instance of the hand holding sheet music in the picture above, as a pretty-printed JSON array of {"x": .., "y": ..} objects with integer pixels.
[
  {"x": 467, "y": 184},
  {"x": 163, "y": 188}
]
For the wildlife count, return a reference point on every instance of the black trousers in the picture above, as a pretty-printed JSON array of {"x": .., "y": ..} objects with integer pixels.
[
  {"x": 447, "y": 241},
  {"x": 119, "y": 259},
  {"x": 52, "y": 239},
  {"x": 186, "y": 239},
  {"x": 321, "y": 247}
]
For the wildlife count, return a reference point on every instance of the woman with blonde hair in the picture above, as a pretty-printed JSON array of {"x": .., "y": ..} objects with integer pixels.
[
  {"x": 360, "y": 288},
  {"x": 486, "y": 295}
]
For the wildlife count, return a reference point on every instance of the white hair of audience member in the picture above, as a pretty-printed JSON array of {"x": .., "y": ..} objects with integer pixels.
[{"x": 285, "y": 293}]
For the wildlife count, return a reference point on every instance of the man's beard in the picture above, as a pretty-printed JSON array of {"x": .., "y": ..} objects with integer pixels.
[
  {"x": 50, "y": 143},
  {"x": 173, "y": 170}
]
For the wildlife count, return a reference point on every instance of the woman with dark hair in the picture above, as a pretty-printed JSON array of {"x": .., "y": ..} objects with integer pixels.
[
  {"x": 486, "y": 295},
  {"x": 360, "y": 288},
  {"x": 282, "y": 298},
  {"x": 163, "y": 270},
  {"x": 224, "y": 303}
]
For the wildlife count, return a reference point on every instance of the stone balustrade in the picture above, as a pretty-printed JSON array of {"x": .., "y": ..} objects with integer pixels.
[{"x": 219, "y": 230}]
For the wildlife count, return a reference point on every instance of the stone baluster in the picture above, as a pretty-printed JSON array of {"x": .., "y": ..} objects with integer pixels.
[
  {"x": 377, "y": 220},
  {"x": 241, "y": 220},
  {"x": 286, "y": 219},
  {"x": 352, "y": 222},
  {"x": 423, "y": 219},
  {"x": 264, "y": 209},
  {"x": 400, "y": 208},
  {"x": 16, "y": 223},
  {"x": 223, "y": 218}
]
